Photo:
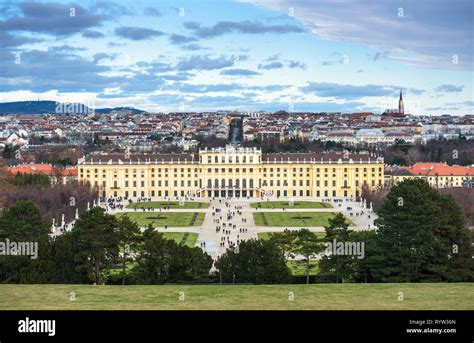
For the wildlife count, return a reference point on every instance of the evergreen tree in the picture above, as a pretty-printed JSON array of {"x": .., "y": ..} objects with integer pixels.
[
  {"x": 129, "y": 238},
  {"x": 254, "y": 261},
  {"x": 334, "y": 266},
  {"x": 421, "y": 236},
  {"x": 98, "y": 237},
  {"x": 22, "y": 223},
  {"x": 162, "y": 260}
]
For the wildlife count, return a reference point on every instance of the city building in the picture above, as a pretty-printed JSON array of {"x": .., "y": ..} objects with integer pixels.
[
  {"x": 233, "y": 172},
  {"x": 438, "y": 175},
  {"x": 57, "y": 175}
]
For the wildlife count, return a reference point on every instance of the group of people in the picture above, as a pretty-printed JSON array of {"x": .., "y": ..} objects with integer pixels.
[
  {"x": 115, "y": 203},
  {"x": 225, "y": 225}
]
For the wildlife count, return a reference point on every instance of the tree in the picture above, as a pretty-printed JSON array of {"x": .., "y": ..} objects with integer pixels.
[
  {"x": 421, "y": 236},
  {"x": 254, "y": 261},
  {"x": 28, "y": 179},
  {"x": 9, "y": 151},
  {"x": 162, "y": 260},
  {"x": 153, "y": 260},
  {"x": 98, "y": 237},
  {"x": 129, "y": 236},
  {"x": 22, "y": 223},
  {"x": 362, "y": 267},
  {"x": 66, "y": 261},
  {"x": 340, "y": 266},
  {"x": 298, "y": 243},
  {"x": 306, "y": 244}
]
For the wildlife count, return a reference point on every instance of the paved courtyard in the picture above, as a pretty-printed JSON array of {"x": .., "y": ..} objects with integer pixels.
[{"x": 229, "y": 221}]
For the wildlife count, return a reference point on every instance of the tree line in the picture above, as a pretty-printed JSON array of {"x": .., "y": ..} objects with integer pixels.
[
  {"x": 96, "y": 248},
  {"x": 420, "y": 237}
]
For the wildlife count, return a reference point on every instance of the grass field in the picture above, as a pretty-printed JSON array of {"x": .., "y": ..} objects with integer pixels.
[
  {"x": 160, "y": 219},
  {"x": 266, "y": 235},
  {"x": 186, "y": 238},
  {"x": 170, "y": 204},
  {"x": 289, "y": 219},
  {"x": 416, "y": 296},
  {"x": 285, "y": 204}
]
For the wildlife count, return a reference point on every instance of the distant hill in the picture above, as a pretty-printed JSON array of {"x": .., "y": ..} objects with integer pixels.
[
  {"x": 46, "y": 106},
  {"x": 120, "y": 109}
]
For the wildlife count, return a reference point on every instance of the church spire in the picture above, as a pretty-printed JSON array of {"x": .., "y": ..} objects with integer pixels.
[{"x": 400, "y": 104}]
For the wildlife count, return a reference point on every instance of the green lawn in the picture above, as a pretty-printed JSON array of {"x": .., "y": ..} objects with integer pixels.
[
  {"x": 416, "y": 296},
  {"x": 289, "y": 219},
  {"x": 187, "y": 238},
  {"x": 170, "y": 204},
  {"x": 160, "y": 219},
  {"x": 266, "y": 235},
  {"x": 285, "y": 204}
]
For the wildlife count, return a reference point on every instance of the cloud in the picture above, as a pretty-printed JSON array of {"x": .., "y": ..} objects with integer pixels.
[
  {"x": 379, "y": 56},
  {"x": 325, "y": 89},
  {"x": 250, "y": 103},
  {"x": 192, "y": 47},
  {"x": 433, "y": 30},
  {"x": 180, "y": 39},
  {"x": 206, "y": 62},
  {"x": 453, "y": 106},
  {"x": 334, "y": 58},
  {"x": 239, "y": 72},
  {"x": 268, "y": 88},
  {"x": 152, "y": 11},
  {"x": 227, "y": 101},
  {"x": 60, "y": 68},
  {"x": 92, "y": 34},
  {"x": 103, "y": 56},
  {"x": 415, "y": 91},
  {"x": 137, "y": 33},
  {"x": 111, "y": 9},
  {"x": 167, "y": 99},
  {"x": 269, "y": 66},
  {"x": 449, "y": 88},
  {"x": 181, "y": 76},
  {"x": 296, "y": 64},
  {"x": 8, "y": 40},
  {"x": 272, "y": 58},
  {"x": 210, "y": 88},
  {"x": 52, "y": 18},
  {"x": 244, "y": 27}
]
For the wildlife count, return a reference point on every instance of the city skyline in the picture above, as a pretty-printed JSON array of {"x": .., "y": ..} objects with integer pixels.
[{"x": 248, "y": 56}]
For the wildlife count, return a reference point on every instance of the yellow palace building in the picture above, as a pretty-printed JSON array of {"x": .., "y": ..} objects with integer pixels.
[{"x": 232, "y": 172}]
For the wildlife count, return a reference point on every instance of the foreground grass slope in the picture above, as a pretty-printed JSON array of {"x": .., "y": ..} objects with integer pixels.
[{"x": 420, "y": 296}]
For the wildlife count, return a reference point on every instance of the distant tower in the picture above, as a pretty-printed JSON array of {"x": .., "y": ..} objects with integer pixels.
[{"x": 400, "y": 104}]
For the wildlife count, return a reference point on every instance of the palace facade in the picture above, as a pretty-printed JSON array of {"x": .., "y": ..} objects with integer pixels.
[{"x": 232, "y": 172}]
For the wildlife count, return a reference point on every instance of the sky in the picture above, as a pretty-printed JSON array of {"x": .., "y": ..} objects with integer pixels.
[{"x": 256, "y": 55}]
